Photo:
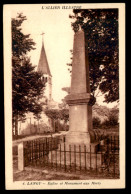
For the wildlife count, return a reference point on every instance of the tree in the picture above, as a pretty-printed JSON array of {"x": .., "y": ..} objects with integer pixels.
[
  {"x": 27, "y": 85},
  {"x": 101, "y": 36},
  {"x": 21, "y": 43},
  {"x": 56, "y": 114}
]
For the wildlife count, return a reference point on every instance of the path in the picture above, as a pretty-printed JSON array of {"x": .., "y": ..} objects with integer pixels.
[{"x": 16, "y": 142}]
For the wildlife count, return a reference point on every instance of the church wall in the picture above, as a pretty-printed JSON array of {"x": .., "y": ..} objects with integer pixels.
[{"x": 48, "y": 88}]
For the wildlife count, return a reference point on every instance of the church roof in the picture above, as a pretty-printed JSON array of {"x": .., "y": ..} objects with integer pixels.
[{"x": 43, "y": 66}]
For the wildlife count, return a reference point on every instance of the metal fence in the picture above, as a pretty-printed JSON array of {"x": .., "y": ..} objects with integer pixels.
[{"x": 56, "y": 154}]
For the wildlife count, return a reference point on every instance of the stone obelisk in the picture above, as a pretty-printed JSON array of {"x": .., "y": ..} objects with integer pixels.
[{"x": 80, "y": 112}]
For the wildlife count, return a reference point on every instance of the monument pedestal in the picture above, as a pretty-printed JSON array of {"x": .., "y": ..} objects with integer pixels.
[
  {"x": 85, "y": 140},
  {"x": 73, "y": 137},
  {"x": 77, "y": 156},
  {"x": 80, "y": 117}
]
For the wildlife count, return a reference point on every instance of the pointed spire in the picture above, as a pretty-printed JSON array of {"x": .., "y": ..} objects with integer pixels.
[
  {"x": 42, "y": 34},
  {"x": 43, "y": 66}
]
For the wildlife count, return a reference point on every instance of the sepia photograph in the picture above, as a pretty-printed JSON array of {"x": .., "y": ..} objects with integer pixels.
[{"x": 64, "y": 95}]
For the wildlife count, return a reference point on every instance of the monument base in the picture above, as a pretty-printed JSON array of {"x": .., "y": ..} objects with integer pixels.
[
  {"x": 75, "y": 156},
  {"x": 77, "y": 137},
  {"x": 82, "y": 139}
]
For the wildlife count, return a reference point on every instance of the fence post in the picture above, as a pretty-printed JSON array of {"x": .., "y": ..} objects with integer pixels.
[
  {"x": 21, "y": 156},
  {"x": 51, "y": 151},
  {"x": 60, "y": 155},
  {"x": 30, "y": 125},
  {"x": 111, "y": 143},
  {"x": 56, "y": 159},
  {"x": 39, "y": 150},
  {"x": 44, "y": 153},
  {"x": 80, "y": 156},
  {"x": 32, "y": 157},
  {"x": 64, "y": 156},
  {"x": 85, "y": 155},
  {"x": 114, "y": 154},
  {"x": 90, "y": 157},
  {"x": 58, "y": 124},
  {"x": 70, "y": 155},
  {"x": 96, "y": 161},
  {"x": 114, "y": 143},
  {"x": 75, "y": 156}
]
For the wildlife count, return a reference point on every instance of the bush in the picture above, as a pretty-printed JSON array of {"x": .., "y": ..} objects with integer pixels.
[
  {"x": 111, "y": 121},
  {"x": 96, "y": 122}
]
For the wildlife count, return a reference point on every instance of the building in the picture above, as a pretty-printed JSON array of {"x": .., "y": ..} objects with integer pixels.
[
  {"x": 33, "y": 125},
  {"x": 43, "y": 67}
]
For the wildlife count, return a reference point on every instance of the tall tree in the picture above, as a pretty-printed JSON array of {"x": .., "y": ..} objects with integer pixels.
[
  {"x": 27, "y": 84},
  {"x": 101, "y": 36}
]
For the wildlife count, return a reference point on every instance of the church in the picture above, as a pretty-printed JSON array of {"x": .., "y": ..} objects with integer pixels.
[
  {"x": 43, "y": 67},
  {"x": 31, "y": 124}
]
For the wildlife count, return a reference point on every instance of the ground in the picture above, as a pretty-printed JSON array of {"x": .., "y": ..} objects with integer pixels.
[{"x": 36, "y": 173}]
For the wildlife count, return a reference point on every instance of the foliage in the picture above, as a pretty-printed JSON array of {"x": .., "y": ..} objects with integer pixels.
[
  {"x": 27, "y": 85},
  {"x": 96, "y": 122},
  {"x": 100, "y": 111},
  {"x": 56, "y": 114},
  {"x": 110, "y": 115},
  {"x": 21, "y": 43},
  {"x": 101, "y": 37},
  {"x": 112, "y": 120},
  {"x": 64, "y": 114},
  {"x": 52, "y": 113}
]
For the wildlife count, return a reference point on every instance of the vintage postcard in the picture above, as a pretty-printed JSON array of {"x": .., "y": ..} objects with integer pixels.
[{"x": 64, "y": 94}]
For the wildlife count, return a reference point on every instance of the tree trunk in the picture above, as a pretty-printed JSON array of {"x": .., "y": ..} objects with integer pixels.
[{"x": 16, "y": 125}]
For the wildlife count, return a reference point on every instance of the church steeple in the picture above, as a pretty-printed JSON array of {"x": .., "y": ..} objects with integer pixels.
[{"x": 43, "y": 66}]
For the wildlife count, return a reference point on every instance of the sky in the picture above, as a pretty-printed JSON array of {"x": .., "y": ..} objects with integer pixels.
[{"x": 58, "y": 41}]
